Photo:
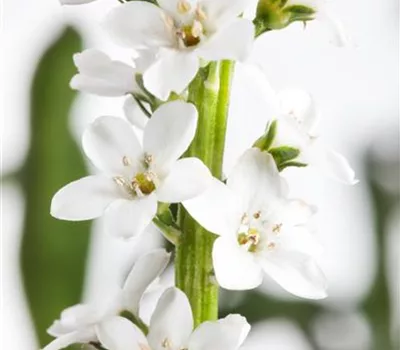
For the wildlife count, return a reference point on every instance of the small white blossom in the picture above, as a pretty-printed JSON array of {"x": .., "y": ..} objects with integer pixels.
[
  {"x": 171, "y": 328},
  {"x": 260, "y": 230},
  {"x": 182, "y": 32},
  {"x": 296, "y": 127},
  {"x": 99, "y": 75},
  {"x": 85, "y": 323},
  {"x": 135, "y": 177}
]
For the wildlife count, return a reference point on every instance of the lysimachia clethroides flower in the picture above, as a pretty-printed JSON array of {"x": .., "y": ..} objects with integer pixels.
[
  {"x": 260, "y": 230},
  {"x": 171, "y": 328},
  {"x": 87, "y": 323},
  {"x": 136, "y": 177},
  {"x": 296, "y": 127},
  {"x": 182, "y": 32},
  {"x": 98, "y": 74}
]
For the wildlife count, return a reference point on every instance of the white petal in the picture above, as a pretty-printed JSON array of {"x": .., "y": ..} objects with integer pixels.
[
  {"x": 171, "y": 320},
  {"x": 138, "y": 24},
  {"x": 126, "y": 218},
  {"x": 84, "y": 199},
  {"x": 117, "y": 333},
  {"x": 218, "y": 210},
  {"x": 299, "y": 104},
  {"x": 75, "y": 2},
  {"x": 79, "y": 337},
  {"x": 256, "y": 179},
  {"x": 227, "y": 334},
  {"x": 233, "y": 42},
  {"x": 188, "y": 178},
  {"x": 297, "y": 273},
  {"x": 335, "y": 28},
  {"x": 222, "y": 11},
  {"x": 112, "y": 146},
  {"x": 337, "y": 167},
  {"x": 99, "y": 75},
  {"x": 134, "y": 113},
  {"x": 299, "y": 239},
  {"x": 235, "y": 268},
  {"x": 143, "y": 273},
  {"x": 169, "y": 132},
  {"x": 172, "y": 72}
]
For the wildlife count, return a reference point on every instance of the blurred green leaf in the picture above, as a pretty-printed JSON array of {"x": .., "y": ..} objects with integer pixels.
[{"x": 53, "y": 252}]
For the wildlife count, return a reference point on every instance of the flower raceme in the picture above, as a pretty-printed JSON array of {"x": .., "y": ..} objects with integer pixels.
[
  {"x": 260, "y": 230},
  {"x": 85, "y": 323},
  {"x": 135, "y": 177},
  {"x": 181, "y": 32}
]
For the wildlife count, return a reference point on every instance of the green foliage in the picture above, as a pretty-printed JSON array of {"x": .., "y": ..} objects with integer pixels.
[{"x": 53, "y": 252}]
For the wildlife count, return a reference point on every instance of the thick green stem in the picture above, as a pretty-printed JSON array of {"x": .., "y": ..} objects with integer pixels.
[{"x": 194, "y": 269}]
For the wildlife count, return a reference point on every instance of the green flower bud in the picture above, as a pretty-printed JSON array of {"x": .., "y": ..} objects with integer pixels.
[{"x": 278, "y": 14}]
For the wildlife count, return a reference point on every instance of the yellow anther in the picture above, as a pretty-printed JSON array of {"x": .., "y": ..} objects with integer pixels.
[
  {"x": 271, "y": 246},
  {"x": 120, "y": 181},
  {"x": 257, "y": 215},
  {"x": 126, "y": 161},
  {"x": 166, "y": 344},
  {"x": 197, "y": 29},
  {"x": 200, "y": 14},
  {"x": 277, "y": 228},
  {"x": 183, "y": 7}
]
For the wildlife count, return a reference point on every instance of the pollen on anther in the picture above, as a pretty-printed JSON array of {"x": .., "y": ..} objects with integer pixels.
[
  {"x": 277, "y": 228},
  {"x": 200, "y": 14},
  {"x": 183, "y": 6},
  {"x": 257, "y": 215}
]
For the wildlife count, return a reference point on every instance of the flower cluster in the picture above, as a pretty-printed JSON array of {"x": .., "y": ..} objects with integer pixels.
[{"x": 260, "y": 228}]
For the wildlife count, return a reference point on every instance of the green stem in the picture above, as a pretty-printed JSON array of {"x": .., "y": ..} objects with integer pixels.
[
  {"x": 221, "y": 119},
  {"x": 193, "y": 265}
]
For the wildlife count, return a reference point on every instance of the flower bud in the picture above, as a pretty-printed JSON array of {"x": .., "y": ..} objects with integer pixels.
[{"x": 278, "y": 14}]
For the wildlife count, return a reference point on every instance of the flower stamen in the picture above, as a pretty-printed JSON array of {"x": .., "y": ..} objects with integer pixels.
[{"x": 183, "y": 7}]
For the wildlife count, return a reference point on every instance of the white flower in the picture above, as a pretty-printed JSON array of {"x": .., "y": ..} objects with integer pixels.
[
  {"x": 296, "y": 127},
  {"x": 171, "y": 328},
  {"x": 183, "y": 32},
  {"x": 84, "y": 323},
  {"x": 260, "y": 230},
  {"x": 136, "y": 177},
  {"x": 99, "y": 75}
]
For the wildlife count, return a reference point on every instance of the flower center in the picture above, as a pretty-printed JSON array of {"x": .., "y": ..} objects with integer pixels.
[
  {"x": 143, "y": 183},
  {"x": 256, "y": 233},
  {"x": 191, "y": 31}
]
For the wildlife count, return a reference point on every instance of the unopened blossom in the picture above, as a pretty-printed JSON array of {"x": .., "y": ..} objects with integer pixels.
[
  {"x": 260, "y": 230},
  {"x": 135, "y": 177},
  {"x": 182, "y": 32},
  {"x": 296, "y": 127},
  {"x": 98, "y": 74},
  {"x": 171, "y": 328},
  {"x": 85, "y": 323}
]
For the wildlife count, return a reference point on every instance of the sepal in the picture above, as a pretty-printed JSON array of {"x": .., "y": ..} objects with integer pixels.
[
  {"x": 266, "y": 140},
  {"x": 276, "y": 14}
]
